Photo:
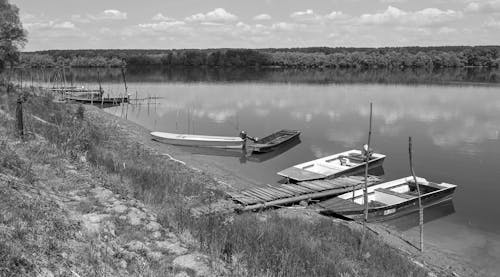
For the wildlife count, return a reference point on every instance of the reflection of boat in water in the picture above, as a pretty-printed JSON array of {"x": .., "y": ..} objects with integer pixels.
[
  {"x": 388, "y": 200},
  {"x": 331, "y": 166},
  {"x": 243, "y": 155},
  {"x": 277, "y": 150},
  {"x": 438, "y": 211},
  {"x": 74, "y": 90}
]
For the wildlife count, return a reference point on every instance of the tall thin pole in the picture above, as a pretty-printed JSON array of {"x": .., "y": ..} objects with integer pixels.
[
  {"x": 365, "y": 187},
  {"x": 124, "y": 81},
  {"x": 126, "y": 89},
  {"x": 19, "y": 116},
  {"x": 420, "y": 210},
  {"x": 100, "y": 86}
]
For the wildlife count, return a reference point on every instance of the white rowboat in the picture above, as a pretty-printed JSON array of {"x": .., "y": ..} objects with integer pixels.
[
  {"x": 388, "y": 200},
  {"x": 198, "y": 140},
  {"x": 331, "y": 166}
]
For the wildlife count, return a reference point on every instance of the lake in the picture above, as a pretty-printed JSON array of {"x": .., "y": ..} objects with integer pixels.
[{"x": 452, "y": 116}]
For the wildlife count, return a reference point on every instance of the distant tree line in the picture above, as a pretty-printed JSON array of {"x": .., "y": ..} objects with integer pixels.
[{"x": 315, "y": 57}]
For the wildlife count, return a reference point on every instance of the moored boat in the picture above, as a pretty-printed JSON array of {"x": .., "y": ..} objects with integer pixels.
[
  {"x": 331, "y": 166},
  {"x": 198, "y": 140},
  {"x": 97, "y": 100},
  {"x": 269, "y": 143},
  {"x": 387, "y": 200}
]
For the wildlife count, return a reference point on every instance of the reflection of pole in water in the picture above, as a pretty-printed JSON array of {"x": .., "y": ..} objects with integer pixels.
[
  {"x": 188, "y": 120},
  {"x": 177, "y": 121},
  {"x": 149, "y": 99}
]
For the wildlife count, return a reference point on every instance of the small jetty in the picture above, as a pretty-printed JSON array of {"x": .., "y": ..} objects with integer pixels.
[{"x": 286, "y": 194}]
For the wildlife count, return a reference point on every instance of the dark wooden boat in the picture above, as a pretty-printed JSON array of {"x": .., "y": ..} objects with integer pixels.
[
  {"x": 387, "y": 200},
  {"x": 269, "y": 143}
]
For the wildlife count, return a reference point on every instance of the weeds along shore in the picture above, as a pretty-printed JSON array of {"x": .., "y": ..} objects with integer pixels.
[{"x": 78, "y": 153}]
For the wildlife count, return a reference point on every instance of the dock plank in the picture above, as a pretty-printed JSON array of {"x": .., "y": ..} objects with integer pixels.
[{"x": 311, "y": 186}]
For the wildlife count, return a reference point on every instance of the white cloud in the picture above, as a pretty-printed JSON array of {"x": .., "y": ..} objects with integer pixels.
[
  {"x": 262, "y": 17},
  {"x": 79, "y": 18},
  {"x": 109, "y": 15},
  {"x": 392, "y": 1},
  {"x": 218, "y": 15},
  {"x": 447, "y": 30},
  {"x": 483, "y": 7},
  {"x": 46, "y": 25},
  {"x": 304, "y": 15},
  {"x": 65, "y": 25},
  {"x": 492, "y": 23},
  {"x": 335, "y": 15},
  {"x": 285, "y": 26},
  {"x": 161, "y": 17},
  {"x": 162, "y": 26},
  {"x": 310, "y": 17},
  {"x": 425, "y": 17}
]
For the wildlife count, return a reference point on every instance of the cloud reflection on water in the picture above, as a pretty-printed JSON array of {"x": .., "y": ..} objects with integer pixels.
[{"x": 446, "y": 112}]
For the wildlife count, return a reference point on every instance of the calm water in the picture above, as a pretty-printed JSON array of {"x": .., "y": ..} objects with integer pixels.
[{"x": 455, "y": 128}]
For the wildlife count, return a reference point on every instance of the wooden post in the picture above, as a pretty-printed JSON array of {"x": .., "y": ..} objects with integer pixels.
[
  {"x": 420, "y": 210},
  {"x": 19, "y": 117},
  {"x": 126, "y": 88},
  {"x": 101, "y": 93},
  {"x": 8, "y": 80},
  {"x": 365, "y": 187}
]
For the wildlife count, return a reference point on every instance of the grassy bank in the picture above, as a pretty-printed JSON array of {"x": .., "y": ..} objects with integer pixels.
[{"x": 265, "y": 244}]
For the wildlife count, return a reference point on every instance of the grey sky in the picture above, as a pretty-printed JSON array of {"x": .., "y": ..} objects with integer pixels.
[{"x": 62, "y": 24}]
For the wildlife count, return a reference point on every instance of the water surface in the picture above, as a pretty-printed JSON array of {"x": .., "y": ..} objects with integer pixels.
[{"x": 454, "y": 123}]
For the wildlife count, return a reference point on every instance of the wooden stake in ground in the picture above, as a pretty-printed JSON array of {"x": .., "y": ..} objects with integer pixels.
[
  {"x": 19, "y": 117},
  {"x": 420, "y": 210},
  {"x": 365, "y": 188}
]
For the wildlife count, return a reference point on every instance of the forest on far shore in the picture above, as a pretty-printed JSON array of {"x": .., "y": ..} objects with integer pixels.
[{"x": 313, "y": 57}]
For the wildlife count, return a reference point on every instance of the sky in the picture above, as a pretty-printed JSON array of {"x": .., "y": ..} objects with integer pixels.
[{"x": 168, "y": 24}]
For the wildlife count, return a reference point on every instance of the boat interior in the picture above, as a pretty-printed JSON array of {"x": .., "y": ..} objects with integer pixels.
[
  {"x": 329, "y": 166},
  {"x": 277, "y": 137},
  {"x": 380, "y": 196}
]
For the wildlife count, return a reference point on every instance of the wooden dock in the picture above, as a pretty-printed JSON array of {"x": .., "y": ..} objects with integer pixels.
[{"x": 284, "y": 194}]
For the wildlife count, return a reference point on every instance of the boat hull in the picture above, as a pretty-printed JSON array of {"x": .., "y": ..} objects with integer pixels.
[{"x": 198, "y": 141}]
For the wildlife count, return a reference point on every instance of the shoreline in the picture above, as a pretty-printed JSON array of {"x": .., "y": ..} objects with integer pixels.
[
  {"x": 99, "y": 197},
  {"x": 433, "y": 258}
]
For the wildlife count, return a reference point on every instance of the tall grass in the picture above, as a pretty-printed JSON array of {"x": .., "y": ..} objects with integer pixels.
[{"x": 249, "y": 244}]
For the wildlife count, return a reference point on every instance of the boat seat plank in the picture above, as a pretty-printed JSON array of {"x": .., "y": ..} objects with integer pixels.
[
  {"x": 391, "y": 192},
  {"x": 434, "y": 185}
]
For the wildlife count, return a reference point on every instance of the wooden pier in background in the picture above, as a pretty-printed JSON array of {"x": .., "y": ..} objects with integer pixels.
[{"x": 285, "y": 194}]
